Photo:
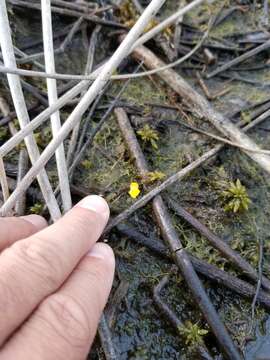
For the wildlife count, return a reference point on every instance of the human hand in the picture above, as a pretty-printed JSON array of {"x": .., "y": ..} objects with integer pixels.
[{"x": 54, "y": 283}]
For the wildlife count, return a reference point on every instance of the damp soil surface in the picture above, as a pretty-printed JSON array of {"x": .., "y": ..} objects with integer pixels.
[{"x": 138, "y": 328}]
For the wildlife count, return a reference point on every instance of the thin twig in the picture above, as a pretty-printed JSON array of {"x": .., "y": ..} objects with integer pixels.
[
  {"x": 93, "y": 133},
  {"x": 88, "y": 69},
  {"x": 52, "y": 96},
  {"x": 106, "y": 339},
  {"x": 225, "y": 141},
  {"x": 3, "y": 181},
  {"x": 23, "y": 117},
  {"x": 260, "y": 274},
  {"x": 83, "y": 84},
  {"x": 12, "y": 115},
  {"x": 239, "y": 59},
  {"x": 75, "y": 6},
  {"x": 24, "y": 56},
  {"x": 87, "y": 121},
  {"x": 22, "y": 162},
  {"x": 31, "y": 58}
]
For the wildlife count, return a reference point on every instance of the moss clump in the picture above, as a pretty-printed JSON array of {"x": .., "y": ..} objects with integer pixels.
[
  {"x": 147, "y": 134},
  {"x": 3, "y": 133},
  {"x": 36, "y": 208},
  {"x": 153, "y": 176},
  {"x": 237, "y": 197},
  {"x": 87, "y": 164},
  {"x": 193, "y": 333}
]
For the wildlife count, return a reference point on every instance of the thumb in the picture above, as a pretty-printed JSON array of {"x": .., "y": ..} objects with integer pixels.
[{"x": 65, "y": 324}]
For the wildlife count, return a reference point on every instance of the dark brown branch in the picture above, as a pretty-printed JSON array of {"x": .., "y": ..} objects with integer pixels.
[
  {"x": 199, "y": 348},
  {"x": 240, "y": 59},
  {"x": 179, "y": 254},
  {"x": 211, "y": 272},
  {"x": 218, "y": 243},
  {"x": 105, "y": 336}
]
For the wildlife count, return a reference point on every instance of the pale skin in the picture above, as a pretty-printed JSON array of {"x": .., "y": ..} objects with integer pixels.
[{"x": 54, "y": 283}]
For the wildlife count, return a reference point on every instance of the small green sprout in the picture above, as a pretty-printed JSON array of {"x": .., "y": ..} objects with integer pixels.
[
  {"x": 237, "y": 197},
  {"x": 193, "y": 333},
  {"x": 36, "y": 208},
  {"x": 245, "y": 116},
  {"x": 153, "y": 176},
  {"x": 87, "y": 164},
  {"x": 3, "y": 133},
  {"x": 149, "y": 135}
]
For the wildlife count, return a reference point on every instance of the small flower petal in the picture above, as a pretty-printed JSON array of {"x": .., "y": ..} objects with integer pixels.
[{"x": 134, "y": 190}]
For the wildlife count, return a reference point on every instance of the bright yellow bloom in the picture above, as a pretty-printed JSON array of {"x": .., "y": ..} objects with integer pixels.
[{"x": 134, "y": 190}]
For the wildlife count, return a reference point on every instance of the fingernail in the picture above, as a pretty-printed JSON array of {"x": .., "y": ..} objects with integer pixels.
[
  {"x": 102, "y": 251},
  {"x": 95, "y": 203},
  {"x": 38, "y": 221}
]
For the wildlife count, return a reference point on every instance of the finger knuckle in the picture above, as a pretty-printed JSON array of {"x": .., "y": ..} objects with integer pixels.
[
  {"x": 40, "y": 260},
  {"x": 69, "y": 319}
]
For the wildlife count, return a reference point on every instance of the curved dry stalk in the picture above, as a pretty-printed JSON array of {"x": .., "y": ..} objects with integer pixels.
[
  {"x": 52, "y": 97},
  {"x": 31, "y": 58},
  {"x": 3, "y": 180},
  {"x": 22, "y": 163},
  {"x": 22, "y": 113},
  {"x": 106, "y": 72},
  {"x": 88, "y": 68},
  {"x": 224, "y": 140},
  {"x": 3, "y": 175}
]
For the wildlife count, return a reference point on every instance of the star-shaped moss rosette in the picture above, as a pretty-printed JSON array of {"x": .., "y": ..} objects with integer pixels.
[
  {"x": 236, "y": 197},
  {"x": 193, "y": 333},
  {"x": 150, "y": 135}
]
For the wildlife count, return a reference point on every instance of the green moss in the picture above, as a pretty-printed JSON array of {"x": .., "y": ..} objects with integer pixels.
[
  {"x": 193, "y": 333},
  {"x": 3, "y": 133},
  {"x": 236, "y": 197},
  {"x": 149, "y": 135},
  {"x": 141, "y": 91},
  {"x": 36, "y": 209}
]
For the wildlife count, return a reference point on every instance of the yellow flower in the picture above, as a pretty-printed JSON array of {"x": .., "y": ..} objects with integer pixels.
[{"x": 134, "y": 190}]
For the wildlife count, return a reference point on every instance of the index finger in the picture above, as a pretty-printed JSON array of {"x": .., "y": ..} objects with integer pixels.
[{"x": 36, "y": 267}]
